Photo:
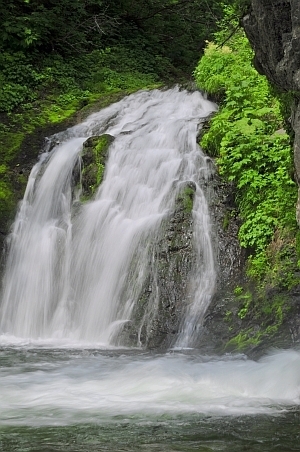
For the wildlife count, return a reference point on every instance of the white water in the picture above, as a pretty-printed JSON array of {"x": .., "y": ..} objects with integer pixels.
[
  {"x": 63, "y": 387},
  {"x": 79, "y": 276}
]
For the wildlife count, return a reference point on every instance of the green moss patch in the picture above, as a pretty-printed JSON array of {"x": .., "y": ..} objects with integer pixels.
[
  {"x": 257, "y": 317},
  {"x": 94, "y": 156},
  {"x": 10, "y": 144},
  {"x": 188, "y": 198}
]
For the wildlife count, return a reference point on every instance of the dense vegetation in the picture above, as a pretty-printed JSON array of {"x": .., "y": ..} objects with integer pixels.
[
  {"x": 253, "y": 151},
  {"x": 252, "y": 148},
  {"x": 96, "y": 45}
]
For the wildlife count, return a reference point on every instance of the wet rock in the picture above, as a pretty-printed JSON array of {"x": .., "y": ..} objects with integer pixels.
[
  {"x": 155, "y": 322},
  {"x": 94, "y": 156},
  {"x": 172, "y": 259},
  {"x": 230, "y": 263}
]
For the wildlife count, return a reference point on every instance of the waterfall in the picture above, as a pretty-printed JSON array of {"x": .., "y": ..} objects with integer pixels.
[{"x": 68, "y": 264}]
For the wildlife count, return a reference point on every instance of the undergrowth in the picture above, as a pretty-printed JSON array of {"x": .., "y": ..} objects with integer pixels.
[
  {"x": 253, "y": 151},
  {"x": 250, "y": 140}
]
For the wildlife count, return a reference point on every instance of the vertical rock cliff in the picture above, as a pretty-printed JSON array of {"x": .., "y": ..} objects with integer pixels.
[{"x": 273, "y": 29}]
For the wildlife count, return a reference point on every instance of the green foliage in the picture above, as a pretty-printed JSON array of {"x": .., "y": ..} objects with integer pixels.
[
  {"x": 252, "y": 149},
  {"x": 243, "y": 340},
  {"x": 69, "y": 83},
  {"x": 238, "y": 290},
  {"x": 64, "y": 26},
  {"x": 51, "y": 92},
  {"x": 188, "y": 199},
  {"x": 266, "y": 312},
  {"x": 6, "y": 198},
  {"x": 172, "y": 29},
  {"x": 246, "y": 299},
  {"x": 10, "y": 143},
  {"x": 282, "y": 261},
  {"x": 96, "y": 45},
  {"x": 176, "y": 29}
]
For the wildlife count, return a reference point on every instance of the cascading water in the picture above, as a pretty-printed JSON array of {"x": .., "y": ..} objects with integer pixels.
[
  {"x": 68, "y": 268},
  {"x": 73, "y": 279}
]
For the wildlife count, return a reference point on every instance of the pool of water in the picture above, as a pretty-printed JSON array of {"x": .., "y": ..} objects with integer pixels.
[{"x": 91, "y": 399}]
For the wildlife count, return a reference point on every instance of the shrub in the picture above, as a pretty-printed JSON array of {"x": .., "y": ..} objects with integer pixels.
[{"x": 251, "y": 148}]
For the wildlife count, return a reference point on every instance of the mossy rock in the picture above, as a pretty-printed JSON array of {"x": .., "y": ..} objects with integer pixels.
[
  {"x": 185, "y": 198},
  {"x": 94, "y": 155}
]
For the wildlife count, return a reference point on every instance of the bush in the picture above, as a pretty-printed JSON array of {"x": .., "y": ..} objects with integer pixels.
[{"x": 251, "y": 147}]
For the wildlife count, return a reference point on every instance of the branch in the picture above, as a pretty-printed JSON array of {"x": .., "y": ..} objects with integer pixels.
[{"x": 230, "y": 36}]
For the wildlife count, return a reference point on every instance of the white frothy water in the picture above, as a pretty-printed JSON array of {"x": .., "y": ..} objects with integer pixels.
[
  {"x": 62, "y": 388},
  {"x": 67, "y": 274}
]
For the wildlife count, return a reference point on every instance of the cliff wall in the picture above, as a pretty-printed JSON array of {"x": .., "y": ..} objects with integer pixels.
[{"x": 273, "y": 29}]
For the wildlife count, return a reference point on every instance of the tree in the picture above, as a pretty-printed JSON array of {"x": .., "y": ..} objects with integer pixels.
[{"x": 65, "y": 26}]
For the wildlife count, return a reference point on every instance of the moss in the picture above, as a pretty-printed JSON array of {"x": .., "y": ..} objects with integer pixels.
[
  {"x": 229, "y": 214},
  {"x": 9, "y": 148},
  {"x": 7, "y": 205},
  {"x": 94, "y": 157},
  {"x": 257, "y": 317},
  {"x": 3, "y": 169},
  {"x": 187, "y": 198},
  {"x": 57, "y": 114},
  {"x": 6, "y": 195},
  {"x": 243, "y": 341},
  {"x": 10, "y": 144}
]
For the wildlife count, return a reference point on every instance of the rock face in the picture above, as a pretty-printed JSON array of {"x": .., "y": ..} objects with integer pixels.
[
  {"x": 158, "y": 314},
  {"x": 273, "y": 29},
  {"x": 165, "y": 291}
]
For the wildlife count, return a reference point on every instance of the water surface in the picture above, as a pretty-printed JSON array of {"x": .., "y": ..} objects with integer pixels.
[{"x": 59, "y": 399}]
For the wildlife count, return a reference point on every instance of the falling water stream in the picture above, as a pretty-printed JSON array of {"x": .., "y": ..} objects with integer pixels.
[
  {"x": 66, "y": 273},
  {"x": 65, "y": 384}
]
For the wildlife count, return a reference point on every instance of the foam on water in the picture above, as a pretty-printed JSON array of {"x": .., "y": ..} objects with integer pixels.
[{"x": 60, "y": 387}]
